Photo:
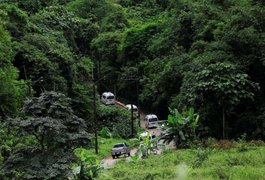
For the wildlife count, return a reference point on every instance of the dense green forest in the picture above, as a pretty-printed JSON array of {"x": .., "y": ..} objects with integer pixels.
[{"x": 206, "y": 54}]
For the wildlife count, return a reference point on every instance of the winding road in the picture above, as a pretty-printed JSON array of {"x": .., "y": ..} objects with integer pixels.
[{"x": 109, "y": 161}]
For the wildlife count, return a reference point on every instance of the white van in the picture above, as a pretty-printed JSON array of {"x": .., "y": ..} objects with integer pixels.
[
  {"x": 108, "y": 98},
  {"x": 135, "y": 109},
  {"x": 151, "y": 121},
  {"x": 144, "y": 135}
]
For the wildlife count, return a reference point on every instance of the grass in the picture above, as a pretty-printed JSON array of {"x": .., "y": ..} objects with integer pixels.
[
  {"x": 197, "y": 163},
  {"x": 106, "y": 144}
]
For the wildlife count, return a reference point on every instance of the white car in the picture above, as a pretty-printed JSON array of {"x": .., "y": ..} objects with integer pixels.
[
  {"x": 108, "y": 98},
  {"x": 135, "y": 109},
  {"x": 151, "y": 121}
]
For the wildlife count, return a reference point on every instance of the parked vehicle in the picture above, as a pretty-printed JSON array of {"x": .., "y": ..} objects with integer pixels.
[
  {"x": 151, "y": 121},
  {"x": 144, "y": 134},
  {"x": 135, "y": 109},
  {"x": 108, "y": 98},
  {"x": 119, "y": 149}
]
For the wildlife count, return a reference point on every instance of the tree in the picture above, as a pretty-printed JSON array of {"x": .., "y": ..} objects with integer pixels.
[
  {"x": 134, "y": 44},
  {"x": 77, "y": 31},
  {"x": 117, "y": 120},
  {"x": 49, "y": 121},
  {"x": 12, "y": 91},
  {"x": 17, "y": 20},
  {"x": 222, "y": 83}
]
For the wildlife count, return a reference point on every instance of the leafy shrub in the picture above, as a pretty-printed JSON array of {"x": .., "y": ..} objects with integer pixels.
[
  {"x": 241, "y": 143},
  {"x": 105, "y": 133},
  {"x": 89, "y": 167},
  {"x": 117, "y": 120},
  {"x": 201, "y": 156}
]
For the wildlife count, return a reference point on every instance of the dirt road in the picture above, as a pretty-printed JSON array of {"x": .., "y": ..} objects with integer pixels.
[{"x": 109, "y": 161}]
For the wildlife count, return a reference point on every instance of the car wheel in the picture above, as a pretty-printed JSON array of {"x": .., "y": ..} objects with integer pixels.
[
  {"x": 129, "y": 154},
  {"x": 113, "y": 156}
]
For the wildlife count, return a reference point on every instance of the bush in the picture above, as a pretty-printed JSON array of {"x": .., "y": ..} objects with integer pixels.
[
  {"x": 202, "y": 155},
  {"x": 117, "y": 120}
]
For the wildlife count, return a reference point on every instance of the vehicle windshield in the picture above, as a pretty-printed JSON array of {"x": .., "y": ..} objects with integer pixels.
[
  {"x": 110, "y": 97},
  {"x": 118, "y": 145},
  {"x": 152, "y": 120}
]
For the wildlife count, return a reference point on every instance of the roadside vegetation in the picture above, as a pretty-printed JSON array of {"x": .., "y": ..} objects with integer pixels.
[
  {"x": 219, "y": 160},
  {"x": 105, "y": 146}
]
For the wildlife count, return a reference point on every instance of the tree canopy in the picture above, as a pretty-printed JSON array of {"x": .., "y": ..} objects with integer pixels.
[{"x": 172, "y": 53}]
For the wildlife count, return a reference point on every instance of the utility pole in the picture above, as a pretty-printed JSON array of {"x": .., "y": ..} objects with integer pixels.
[
  {"x": 137, "y": 97},
  {"x": 132, "y": 125},
  {"x": 94, "y": 113},
  {"x": 134, "y": 78}
]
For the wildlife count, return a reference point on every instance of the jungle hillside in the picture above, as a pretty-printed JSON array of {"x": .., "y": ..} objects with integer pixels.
[{"x": 58, "y": 56}]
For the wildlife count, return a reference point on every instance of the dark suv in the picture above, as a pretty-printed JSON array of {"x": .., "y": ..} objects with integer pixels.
[{"x": 119, "y": 149}]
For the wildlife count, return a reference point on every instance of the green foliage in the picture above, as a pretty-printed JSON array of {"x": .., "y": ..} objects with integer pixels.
[
  {"x": 180, "y": 127},
  {"x": 16, "y": 19},
  {"x": 114, "y": 21},
  {"x": 134, "y": 44},
  {"x": 156, "y": 87},
  {"x": 226, "y": 82},
  {"x": 100, "y": 11},
  {"x": 50, "y": 120},
  {"x": 31, "y": 163},
  {"x": 12, "y": 90},
  {"x": 50, "y": 51},
  {"x": 77, "y": 31},
  {"x": 215, "y": 164},
  {"x": 90, "y": 166},
  {"x": 106, "y": 46},
  {"x": 147, "y": 146},
  {"x": 172, "y": 44},
  {"x": 242, "y": 144},
  {"x": 41, "y": 53},
  {"x": 221, "y": 83},
  {"x": 104, "y": 49},
  {"x": 33, "y": 6},
  {"x": 117, "y": 120},
  {"x": 202, "y": 155},
  {"x": 105, "y": 133}
]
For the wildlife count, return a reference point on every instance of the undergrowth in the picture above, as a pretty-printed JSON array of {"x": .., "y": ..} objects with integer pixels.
[{"x": 226, "y": 160}]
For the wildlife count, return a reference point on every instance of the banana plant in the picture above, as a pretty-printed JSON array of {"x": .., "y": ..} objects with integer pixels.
[
  {"x": 180, "y": 127},
  {"x": 146, "y": 147},
  {"x": 89, "y": 167}
]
